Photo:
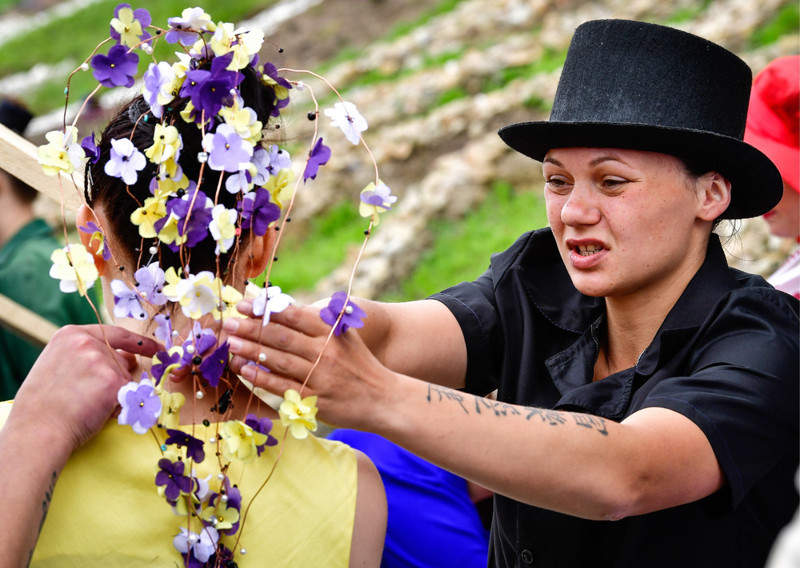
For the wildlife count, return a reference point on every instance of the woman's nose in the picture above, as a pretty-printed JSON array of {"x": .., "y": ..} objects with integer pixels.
[{"x": 580, "y": 208}]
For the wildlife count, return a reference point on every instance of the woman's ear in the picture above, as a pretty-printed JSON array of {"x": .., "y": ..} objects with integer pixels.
[
  {"x": 714, "y": 195},
  {"x": 260, "y": 253},
  {"x": 92, "y": 244}
]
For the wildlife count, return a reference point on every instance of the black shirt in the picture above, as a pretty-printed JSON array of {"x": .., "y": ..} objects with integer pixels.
[{"x": 726, "y": 357}]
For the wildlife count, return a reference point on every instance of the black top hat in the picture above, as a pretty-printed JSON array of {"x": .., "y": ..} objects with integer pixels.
[{"x": 647, "y": 87}]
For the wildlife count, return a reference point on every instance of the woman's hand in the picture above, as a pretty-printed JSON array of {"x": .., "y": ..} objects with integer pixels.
[
  {"x": 72, "y": 388},
  {"x": 352, "y": 386}
]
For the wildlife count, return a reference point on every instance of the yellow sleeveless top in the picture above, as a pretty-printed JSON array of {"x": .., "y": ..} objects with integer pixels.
[{"x": 107, "y": 512}]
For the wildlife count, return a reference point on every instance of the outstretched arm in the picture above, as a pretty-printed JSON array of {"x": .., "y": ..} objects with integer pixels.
[
  {"x": 67, "y": 397},
  {"x": 573, "y": 463}
]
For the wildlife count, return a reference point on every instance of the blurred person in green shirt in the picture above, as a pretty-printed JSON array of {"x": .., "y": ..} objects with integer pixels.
[{"x": 26, "y": 243}]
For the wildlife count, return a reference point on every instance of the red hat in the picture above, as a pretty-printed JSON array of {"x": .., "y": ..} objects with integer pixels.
[{"x": 773, "y": 119}]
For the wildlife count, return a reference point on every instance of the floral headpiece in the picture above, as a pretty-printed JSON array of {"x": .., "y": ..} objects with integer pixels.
[{"x": 202, "y": 89}]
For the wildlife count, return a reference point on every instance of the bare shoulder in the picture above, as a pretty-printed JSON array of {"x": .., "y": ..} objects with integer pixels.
[{"x": 369, "y": 526}]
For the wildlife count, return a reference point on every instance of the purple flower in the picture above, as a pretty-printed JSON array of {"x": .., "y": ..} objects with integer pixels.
[
  {"x": 193, "y": 214},
  {"x": 97, "y": 233},
  {"x": 150, "y": 280},
  {"x": 117, "y": 69},
  {"x": 126, "y": 301},
  {"x": 351, "y": 314},
  {"x": 194, "y": 446},
  {"x": 227, "y": 151},
  {"x": 262, "y": 426},
  {"x": 165, "y": 360},
  {"x": 200, "y": 342},
  {"x": 125, "y": 161},
  {"x": 212, "y": 366},
  {"x": 90, "y": 149},
  {"x": 319, "y": 156},
  {"x": 141, "y": 406},
  {"x": 171, "y": 476},
  {"x": 381, "y": 196},
  {"x": 258, "y": 211},
  {"x": 209, "y": 90}
]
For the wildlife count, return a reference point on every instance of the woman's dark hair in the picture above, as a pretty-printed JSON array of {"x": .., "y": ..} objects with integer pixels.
[{"x": 135, "y": 122}]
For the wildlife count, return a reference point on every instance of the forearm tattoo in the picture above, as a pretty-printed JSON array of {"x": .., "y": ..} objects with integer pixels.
[
  {"x": 48, "y": 497},
  {"x": 472, "y": 404}
]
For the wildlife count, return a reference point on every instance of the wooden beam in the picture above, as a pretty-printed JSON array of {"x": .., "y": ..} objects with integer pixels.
[
  {"x": 19, "y": 157},
  {"x": 25, "y": 323}
]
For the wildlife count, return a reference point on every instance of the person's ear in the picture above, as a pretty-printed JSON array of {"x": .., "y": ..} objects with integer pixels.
[
  {"x": 260, "y": 252},
  {"x": 714, "y": 196},
  {"x": 93, "y": 245}
]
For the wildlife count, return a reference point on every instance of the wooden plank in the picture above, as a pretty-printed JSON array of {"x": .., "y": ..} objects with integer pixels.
[
  {"x": 24, "y": 322},
  {"x": 18, "y": 156}
]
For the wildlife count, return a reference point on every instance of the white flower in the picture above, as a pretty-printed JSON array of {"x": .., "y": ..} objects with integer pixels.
[
  {"x": 223, "y": 227},
  {"x": 345, "y": 116},
  {"x": 271, "y": 301},
  {"x": 125, "y": 161},
  {"x": 202, "y": 545},
  {"x": 74, "y": 266}
]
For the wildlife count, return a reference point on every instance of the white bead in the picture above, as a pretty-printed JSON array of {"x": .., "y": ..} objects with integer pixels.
[
  {"x": 147, "y": 48},
  {"x": 202, "y": 157},
  {"x": 262, "y": 357},
  {"x": 212, "y": 440},
  {"x": 153, "y": 250},
  {"x": 192, "y": 539},
  {"x": 198, "y": 395},
  {"x": 348, "y": 310},
  {"x": 243, "y": 551},
  {"x": 220, "y": 476},
  {"x": 190, "y": 348},
  {"x": 224, "y": 498},
  {"x": 84, "y": 66}
]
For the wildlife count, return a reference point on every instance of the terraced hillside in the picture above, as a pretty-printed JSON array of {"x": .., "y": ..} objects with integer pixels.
[{"x": 435, "y": 79}]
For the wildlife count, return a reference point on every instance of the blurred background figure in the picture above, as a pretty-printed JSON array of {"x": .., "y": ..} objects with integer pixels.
[
  {"x": 773, "y": 126},
  {"x": 26, "y": 243}
]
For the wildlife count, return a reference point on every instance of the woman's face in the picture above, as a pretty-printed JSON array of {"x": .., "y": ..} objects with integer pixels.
[
  {"x": 625, "y": 221},
  {"x": 784, "y": 220}
]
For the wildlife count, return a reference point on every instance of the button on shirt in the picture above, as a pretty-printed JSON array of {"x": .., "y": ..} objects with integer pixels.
[{"x": 726, "y": 357}]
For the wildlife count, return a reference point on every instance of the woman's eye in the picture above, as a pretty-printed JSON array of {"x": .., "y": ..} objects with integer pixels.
[
  {"x": 557, "y": 185},
  {"x": 613, "y": 183}
]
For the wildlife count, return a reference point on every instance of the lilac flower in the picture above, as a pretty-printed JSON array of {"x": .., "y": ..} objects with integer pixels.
[
  {"x": 352, "y": 315},
  {"x": 171, "y": 476},
  {"x": 319, "y": 156},
  {"x": 97, "y": 233},
  {"x": 126, "y": 301},
  {"x": 260, "y": 161},
  {"x": 194, "y": 446},
  {"x": 258, "y": 211},
  {"x": 262, "y": 426},
  {"x": 240, "y": 182},
  {"x": 150, "y": 280},
  {"x": 212, "y": 366},
  {"x": 141, "y": 406},
  {"x": 184, "y": 30},
  {"x": 163, "y": 330},
  {"x": 90, "y": 149},
  {"x": 345, "y": 115},
  {"x": 227, "y": 151},
  {"x": 196, "y": 548},
  {"x": 158, "y": 80},
  {"x": 117, "y": 69},
  {"x": 279, "y": 159},
  {"x": 125, "y": 161},
  {"x": 198, "y": 344},
  {"x": 381, "y": 196}
]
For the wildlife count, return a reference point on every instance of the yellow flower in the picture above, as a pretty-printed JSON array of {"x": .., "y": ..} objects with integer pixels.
[
  {"x": 62, "y": 153},
  {"x": 228, "y": 298},
  {"x": 280, "y": 187},
  {"x": 243, "y": 120},
  {"x": 168, "y": 184},
  {"x": 166, "y": 144},
  {"x": 299, "y": 415},
  {"x": 74, "y": 266},
  {"x": 240, "y": 441},
  {"x": 146, "y": 216},
  {"x": 127, "y": 26},
  {"x": 171, "y": 404},
  {"x": 243, "y": 45},
  {"x": 169, "y": 233},
  {"x": 224, "y": 517}
]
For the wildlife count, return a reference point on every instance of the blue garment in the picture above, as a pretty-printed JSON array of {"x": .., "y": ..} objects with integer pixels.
[{"x": 432, "y": 521}]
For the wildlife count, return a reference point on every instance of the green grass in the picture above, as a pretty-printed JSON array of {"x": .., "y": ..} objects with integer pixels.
[
  {"x": 785, "y": 21},
  {"x": 304, "y": 260},
  {"x": 461, "y": 250}
]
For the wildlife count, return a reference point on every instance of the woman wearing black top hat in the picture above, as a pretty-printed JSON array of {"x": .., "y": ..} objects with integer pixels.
[{"x": 639, "y": 379}]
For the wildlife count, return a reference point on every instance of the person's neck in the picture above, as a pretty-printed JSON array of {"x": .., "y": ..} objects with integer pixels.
[{"x": 13, "y": 216}]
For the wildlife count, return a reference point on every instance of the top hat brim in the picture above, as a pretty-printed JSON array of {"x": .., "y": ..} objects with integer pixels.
[{"x": 755, "y": 181}]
